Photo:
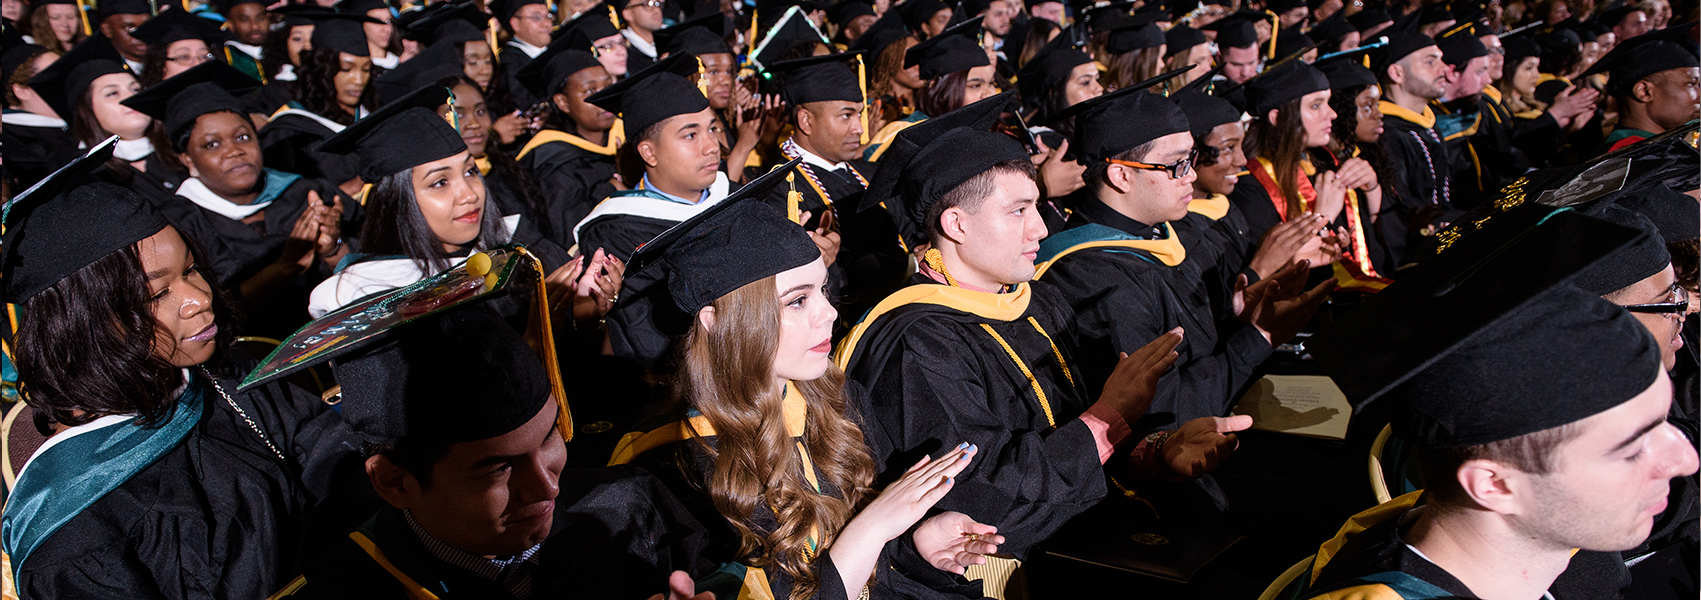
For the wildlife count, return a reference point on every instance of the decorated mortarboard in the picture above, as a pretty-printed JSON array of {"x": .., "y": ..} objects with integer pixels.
[
  {"x": 1121, "y": 120},
  {"x": 1460, "y": 45},
  {"x": 1345, "y": 69},
  {"x": 583, "y": 31},
  {"x": 400, "y": 135},
  {"x": 1642, "y": 258},
  {"x": 738, "y": 241},
  {"x": 1049, "y": 68},
  {"x": 898, "y": 181},
  {"x": 1486, "y": 341},
  {"x": 702, "y": 35},
  {"x": 820, "y": 78},
  {"x": 209, "y": 87},
  {"x": 124, "y": 7},
  {"x": 548, "y": 72},
  {"x": 410, "y": 359},
  {"x": 1140, "y": 33},
  {"x": 1400, "y": 45},
  {"x": 342, "y": 32},
  {"x": 1236, "y": 30},
  {"x": 1182, "y": 38},
  {"x": 916, "y": 12},
  {"x": 433, "y": 64},
  {"x": 65, "y": 81},
  {"x": 1644, "y": 55},
  {"x": 1369, "y": 18},
  {"x": 844, "y": 11},
  {"x": 63, "y": 223},
  {"x": 955, "y": 49},
  {"x": 792, "y": 29},
  {"x": 173, "y": 25},
  {"x": 887, "y": 29},
  {"x": 655, "y": 94},
  {"x": 462, "y": 22}
]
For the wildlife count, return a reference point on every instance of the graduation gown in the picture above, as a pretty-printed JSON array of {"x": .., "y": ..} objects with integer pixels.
[
  {"x": 617, "y": 533},
  {"x": 158, "y": 183},
  {"x": 642, "y": 325},
  {"x": 938, "y": 377},
  {"x": 1369, "y": 558},
  {"x": 573, "y": 175},
  {"x": 287, "y": 142},
  {"x": 518, "y": 216},
  {"x": 1129, "y": 283},
  {"x": 217, "y": 515},
  {"x": 1478, "y": 133},
  {"x": 1420, "y": 162},
  {"x": 676, "y": 455},
  {"x": 35, "y": 147},
  {"x": 513, "y": 59}
]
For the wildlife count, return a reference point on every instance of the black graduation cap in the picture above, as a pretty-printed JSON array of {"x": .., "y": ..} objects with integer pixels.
[
  {"x": 791, "y": 30},
  {"x": 1611, "y": 17},
  {"x": 819, "y": 79},
  {"x": 209, "y": 87},
  {"x": 1139, "y": 33},
  {"x": 655, "y": 94},
  {"x": 342, "y": 32},
  {"x": 738, "y": 241},
  {"x": 297, "y": 15},
  {"x": 583, "y": 31},
  {"x": 1346, "y": 69},
  {"x": 1644, "y": 55},
  {"x": 1518, "y": 48},
  {"x": 1204, "y": 112},
  {"x": 65, "y": 81},
  {"x": 359, "y": 7},
  {"x": 1282, "y": 6},
  {"x": 842, "y": 12},
  {"x": 955, "y": 49},
  {"x": 702, "y": 35},
  {"x": 1236, "y": 30},
  {"x": 1181, "y": 38},
  {"x": 901, "y": 175},
  {"x": 401, "y": 135},
  {"x": 1486, "y": 342},
  {"x": 970, "y": 8},
  {"x": 63, "y": 223},
  {"x": 433, "y": 64},
  {"x": 1638, "y": 260},
  {"x": 1435, "y": 13},
  {"x": 1673, "y": 214},
  {"x": 124, "y": 7},
  {"x": 1049, "y": 68},
  {"x": 1459, "y": 46},
  {"x": 1283, "y": 84},
  {"x": 224, "y": 6},
  {"x": 1292, "y": 41},
  {"x": 1368, "y": 18},
  {"x": 462, "y": 22},
  {"x": 546, "y": 73},
  {"x": 173, "y": 24},
  {"x": 17, "y": 52},
  {"x": 887, "y": 29},
  {"x": 1110, "y": 17},
  {"x": 1121, "y": 120},
  {"x": 1332, "y": 29},
  {"x": 916, "y": 12},
  {"x": 460, "y": 375},
  {"x": 1400, "y": 45}
]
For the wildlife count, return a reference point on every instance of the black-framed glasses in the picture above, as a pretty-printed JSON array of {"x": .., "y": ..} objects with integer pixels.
[
  {"x": 1678, "y": 304},
  {"x": 1177, "y": 169}
]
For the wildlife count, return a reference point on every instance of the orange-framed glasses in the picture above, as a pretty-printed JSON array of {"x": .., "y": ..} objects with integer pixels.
[{"x": 1177, "y": 169}]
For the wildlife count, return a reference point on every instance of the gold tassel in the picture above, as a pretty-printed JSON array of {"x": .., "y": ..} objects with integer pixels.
[
  {"x": 495, "y": 50},
  {"x": 702, "y": 78},
  {"x": 793, "y": 199},
  {"x": 936, "y": 261},
  {"x": 1275, "y": 28},
  {"x": 613, "y": 19},
  {"x": 750, "y": 44},
  {"x": 453, "y": 119},
  {"x": 862, "y": 85},
  {"x": 83, "y": 13}
]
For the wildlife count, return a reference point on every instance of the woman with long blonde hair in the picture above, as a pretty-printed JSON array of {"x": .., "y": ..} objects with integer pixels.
[{"x": 769, "y": 451}]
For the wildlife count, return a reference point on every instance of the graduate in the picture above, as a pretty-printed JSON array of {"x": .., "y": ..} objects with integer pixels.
[
  {"x": 1478, "y": 132},
  {"x": 380, "y": 39},
  {"x": 177, "y": 41},
  {"x": 1059, "y": 76},
  {"x": 1237, "y": 47},
  {"x": 573, "y": 156},
  {"x": 756, "y": 289},
  {"x": 1136, "y": 264},
  {"x": 958, "y": 73},
  {"x": 1186, "y": 46},
  {"x": 1357, "y": 134},
  {"x": 161, "y": 478},
  {"x": 87, "y": 86},
  {"x": 1131, "y": 48},
  {"x": 282, "y": 58},
  {"x": 704, "y": 37},
  {"x": 1219, "y": 139},
  {"x": 268, "y": 235},
  {"x": 115, "y": 20},
  {"x": 530, "y": 23},
  {"x": 971, "y": 350},
  {"x": 677, "y": 175},
  {"x": 458, "y": 420},
  {"x": 1412, "y": 74},
  {"x": 37, "y": 140},
  {"x": 1289, "y": 104},
  {"x": 249, "y": 25},
  {"x": 332, "y": 89},
  {"x": 1576, "y": 455},
  {"x": 1652, "y": 79},
  {"x": 862, "y": 248}
]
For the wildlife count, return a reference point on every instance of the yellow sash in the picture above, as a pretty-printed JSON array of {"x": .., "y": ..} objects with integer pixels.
[
  {"x": 1000, "y": 307},
  {"x": 550, "y": 135},
  {"x": 1213, "y": 208}
]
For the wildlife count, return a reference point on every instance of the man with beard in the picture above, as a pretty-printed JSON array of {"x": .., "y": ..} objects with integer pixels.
[{"x": 1413, "y": 74}]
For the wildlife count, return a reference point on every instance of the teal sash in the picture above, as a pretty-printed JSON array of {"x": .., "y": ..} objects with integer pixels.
[
  {"x": 1070, "y": 238},
  {"x": 72, "y": 475}
]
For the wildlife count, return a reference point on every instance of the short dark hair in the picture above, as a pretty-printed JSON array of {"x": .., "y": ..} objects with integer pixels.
[
  {"x": 1531, "y": 453},
  {"x": 969, "y": 194},
  {"x": 414, "y": 457},
  {"x": 1098, "y": 173}
]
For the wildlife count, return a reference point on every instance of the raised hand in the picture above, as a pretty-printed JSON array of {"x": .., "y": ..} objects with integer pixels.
[
  {"x": 1331, "y": 195},
  {"x": 1134, "y": 382},
  {"x": 1357, "y": 174},
  {"x": 825, "y": 239},
  {"x": 953, "y": 541},
  {"x": 1280, "y": 306},
  {"x": 908, "y": 499},
  {"x": 1203, "y": 443},
  {"x": 1285, "y": 241},
  {"x": 1058, "y": 177}
]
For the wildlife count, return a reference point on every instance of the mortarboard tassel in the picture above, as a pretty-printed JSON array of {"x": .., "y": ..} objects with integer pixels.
[
  {"x": 1275, "y": 28},
  {"x": 702, "y": 77},
  {"x": 83, "y": 13},
  {"x": 452, "y": 118},
  {"x": 862, "y": 85},
  {"x": 495, "y": 50},
  {"x": 793, "y": 199}
]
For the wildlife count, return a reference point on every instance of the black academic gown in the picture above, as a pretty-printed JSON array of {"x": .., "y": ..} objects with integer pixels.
[
  {"x": 218, "y": 516},
  {"x": 32, "y": 153},
  {"x": 1125, "y": 297},
  {"x": 1420, "y": 162},
  {"x": 287, "y": 145},
  {"x": 512, "y": 60},
  {"x": 157, "y": 184},
  {"x": 872, "y": 259},
  {"x": 1484, "y": 159},
  {"x": 685, "y": 467},
  {"x": 617, "y": 533},
  {"x": 936, "y": 378},
  {"x": 573, "y": 176},
  {"x": 502, "y": 192},
  {"x": 237, "y": 251}
]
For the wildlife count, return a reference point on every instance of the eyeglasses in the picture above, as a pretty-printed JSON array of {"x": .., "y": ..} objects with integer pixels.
[
  {"x": 190, "y": 59},
  {"x": 1177, "y": 169},
  {"x": 1677, "y": 304},
  {"x": 648, "y": 3},
  {"x": 536, "y": 18}
]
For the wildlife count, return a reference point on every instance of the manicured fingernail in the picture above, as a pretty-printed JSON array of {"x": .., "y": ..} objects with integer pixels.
[
  {"x": 950, "y": 480},
  {"x": 962, "y": 445}
]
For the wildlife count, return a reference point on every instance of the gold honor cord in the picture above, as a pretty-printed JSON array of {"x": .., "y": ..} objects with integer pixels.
[{"x": 936, "y": 261}]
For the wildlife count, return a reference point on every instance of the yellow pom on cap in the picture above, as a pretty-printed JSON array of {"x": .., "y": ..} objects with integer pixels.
[{"x": 478, "y": 264}]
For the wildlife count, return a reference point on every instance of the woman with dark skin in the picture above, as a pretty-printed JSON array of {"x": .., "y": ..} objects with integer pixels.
[
  {"x": 331, "y": 90},
  {"x": 573, "y": 156}
]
